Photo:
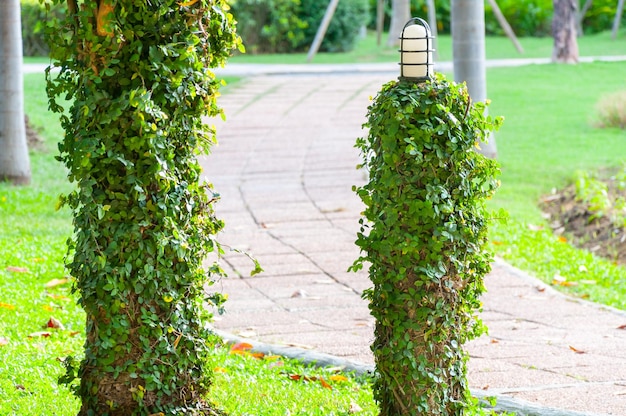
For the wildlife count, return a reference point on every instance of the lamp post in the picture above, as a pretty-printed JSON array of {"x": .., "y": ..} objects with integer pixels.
[
  {"x": 416, "y": 51},
  {"x": 423, "y": 233}
]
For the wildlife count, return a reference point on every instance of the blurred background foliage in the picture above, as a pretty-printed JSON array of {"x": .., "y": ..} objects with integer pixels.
[{"x": 289, "y": 26}]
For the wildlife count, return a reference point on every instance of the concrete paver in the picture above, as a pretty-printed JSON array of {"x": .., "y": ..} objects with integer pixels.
[{"x": 285, "y": 167}]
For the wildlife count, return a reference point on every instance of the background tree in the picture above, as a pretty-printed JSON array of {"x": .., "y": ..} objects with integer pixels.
[
  {"x": 14, "y": 160},
  {"x": 468, "y": 51},
  {"x": 400, "y": 14},
  {"x": 138, "y": 78},
  {"x": 564, "y": 31}
]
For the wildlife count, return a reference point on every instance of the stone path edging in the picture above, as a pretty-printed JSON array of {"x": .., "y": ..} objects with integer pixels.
[{"x": 503, "y": 403}]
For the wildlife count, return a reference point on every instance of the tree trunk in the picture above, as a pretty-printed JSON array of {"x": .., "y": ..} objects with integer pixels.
[
  {"x": 14, "y": 160},
  {"x": 565, "y": 49},
  {"x": 468, "y": 51},
  {"x": 400, "y": 14},
  {"x": 139, "y": 82}
]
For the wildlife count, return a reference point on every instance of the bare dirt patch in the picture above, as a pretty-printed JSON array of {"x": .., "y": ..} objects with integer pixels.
[
  {"x": 33, "y": 139},
  {"x": 585, "y": 228}
]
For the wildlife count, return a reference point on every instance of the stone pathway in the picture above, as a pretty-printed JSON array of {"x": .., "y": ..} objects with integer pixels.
[{"x": 285, "y": 167}]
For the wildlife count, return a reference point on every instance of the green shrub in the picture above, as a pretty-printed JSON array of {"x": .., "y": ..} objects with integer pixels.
[
  {"x": 33, "y": 16},
  {"x": 526, "y": 17},
  {"x": 343, "y": 29},
  {"x": 600, "y": 15},
  {"x": 611, "y": 110},
  {"x": 419, "y": 8},
  {"x": 269, "y": 26}
]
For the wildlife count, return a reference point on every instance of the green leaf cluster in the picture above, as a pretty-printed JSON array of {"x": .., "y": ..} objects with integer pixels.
[
  {"x": 139, "y": 80},
  {"x": 423, "y": 238}
]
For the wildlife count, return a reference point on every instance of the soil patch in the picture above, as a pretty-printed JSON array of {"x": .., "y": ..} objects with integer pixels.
[
  {"x": 584, "y": 228},
  {"x": 33, "y": 139}
]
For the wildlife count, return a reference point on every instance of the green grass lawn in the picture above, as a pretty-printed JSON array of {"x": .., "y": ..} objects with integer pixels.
[
  {"x": 547, "y": 136},
  {"x": 367, "y": 50}
]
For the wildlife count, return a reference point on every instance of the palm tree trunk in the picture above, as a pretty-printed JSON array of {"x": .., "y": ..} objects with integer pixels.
[
  {"x": 400, "y": 14},
  {"x": 468, "y": 51},
  {"x": 14, "y": 161},
  {"x": 564, "y": 31}
]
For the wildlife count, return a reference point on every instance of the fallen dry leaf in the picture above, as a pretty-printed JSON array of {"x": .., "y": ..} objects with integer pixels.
[
  {"x": 54, "y": 323},
  {"x": 301, "y": 377},
  {"x": 57, "y": 297},
  {"x": 56, "y": 282},
  {"x": 17, "y": 269},
  {"x": 577, "y": 351},
  {"x": 559, "y": 280},
  {"x": 338, "y": 377},
  {"x": 43, "y": 334},
  {"x": 354, "y": 408},
  {"x": 220, "y": 370},
  {"x": 299, "y": 294},
  {"x": 241, "y": 346},
  {"x": 6, "y": 306},
  {"x": 325, "y": 384},
  {"x": 622, "y": 326}
]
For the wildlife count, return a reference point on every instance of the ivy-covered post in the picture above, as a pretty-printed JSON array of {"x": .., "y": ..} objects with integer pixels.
[
  {"x": 424, "y": 231},
  {"x": 138, "y": 78}
]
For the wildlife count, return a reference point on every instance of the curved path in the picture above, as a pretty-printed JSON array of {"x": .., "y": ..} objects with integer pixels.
[{"x": 285, "y": 167}]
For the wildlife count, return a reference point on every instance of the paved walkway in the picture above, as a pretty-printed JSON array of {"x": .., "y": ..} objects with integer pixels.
[{"x": 285, "y": 166}]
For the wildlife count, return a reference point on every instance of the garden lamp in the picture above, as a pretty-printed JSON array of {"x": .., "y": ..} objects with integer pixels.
[{"x": 416, "y": 51}]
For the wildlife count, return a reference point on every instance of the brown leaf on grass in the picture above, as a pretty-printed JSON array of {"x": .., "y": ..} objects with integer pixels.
[
  {"x": 338, "y": 377},
  {"x": 54, "y": 323},
  {"x": 241, "y": 346},
  {"x": 577, "y": 351},
  {"x": 559, "y": 280},
  {"x": 57, "y": 297},
  {"x": 354, "y": 408},
  {"x": 302, "y": 377},
  {"x": 42, "y": 334},
  {"x": 56, "y": 282},
  {"x": 14, "y": 269},
  {"x": 325, "y": 383},
  {"x": 6, "y": 306}
]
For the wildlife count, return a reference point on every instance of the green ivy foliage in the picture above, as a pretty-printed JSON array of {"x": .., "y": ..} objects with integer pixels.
[
  {"x": 423, "y": 238},
  {"x": 343, "y": 30},
  {"x": 269, "y": 26},
  {"x": 138, "y": 79}
]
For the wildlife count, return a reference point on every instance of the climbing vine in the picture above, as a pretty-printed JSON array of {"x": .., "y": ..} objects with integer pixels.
[
  {"x": 138, "y": 83},
  {"x": 423, "y": 238}
]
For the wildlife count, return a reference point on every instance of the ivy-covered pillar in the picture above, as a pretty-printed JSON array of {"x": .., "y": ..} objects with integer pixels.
[
  {"x": 423, "y": 237},
  {"x": 138, "y": 78}
]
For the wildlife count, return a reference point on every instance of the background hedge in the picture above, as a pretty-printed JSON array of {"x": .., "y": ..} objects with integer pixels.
[{"x": 283, "y": 26}]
